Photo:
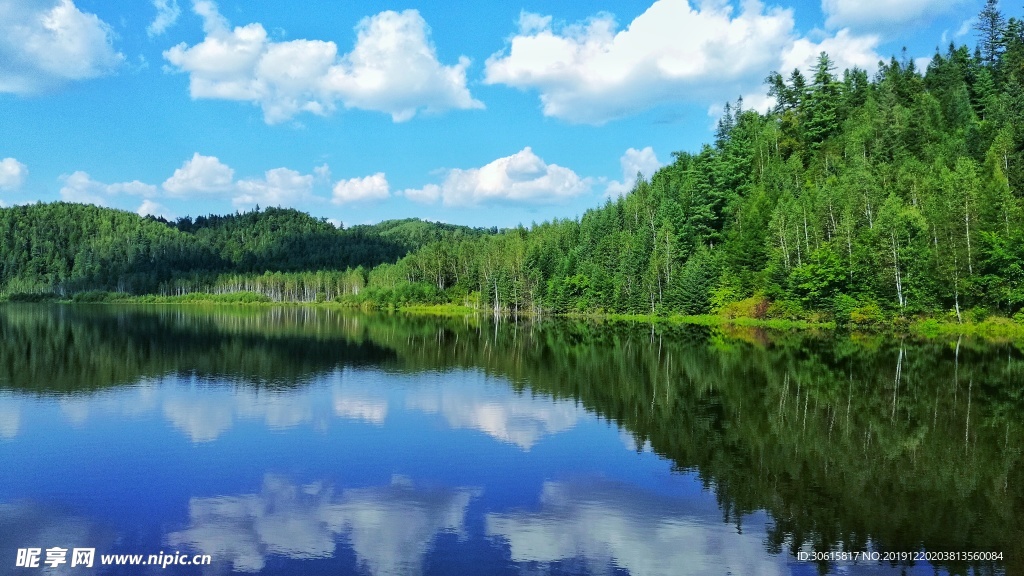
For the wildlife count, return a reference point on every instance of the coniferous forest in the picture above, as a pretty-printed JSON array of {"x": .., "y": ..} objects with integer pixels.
[{"x": 856, "y": 198}]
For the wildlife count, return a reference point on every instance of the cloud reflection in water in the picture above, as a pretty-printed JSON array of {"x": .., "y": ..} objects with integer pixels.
[
  {"x": 496, "y": 410},
  {"x": 607, "y": 525},
  {"x": 205, "y": 411},
  {"x": 390, "y": 528}
]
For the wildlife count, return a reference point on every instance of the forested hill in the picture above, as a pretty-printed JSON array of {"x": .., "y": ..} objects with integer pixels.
[
  {"x": 856, "y": 198},
  {"x": 66, "y": 248}
]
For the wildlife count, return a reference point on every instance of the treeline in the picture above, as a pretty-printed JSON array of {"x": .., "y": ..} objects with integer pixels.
[
  {"x": 855, "y": 198},
  {"x": 66, "y": 249}
]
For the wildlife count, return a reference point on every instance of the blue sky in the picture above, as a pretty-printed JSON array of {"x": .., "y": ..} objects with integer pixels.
[{"x": 480, "y": 113}]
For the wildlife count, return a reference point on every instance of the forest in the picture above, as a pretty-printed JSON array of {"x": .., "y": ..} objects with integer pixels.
[
  {"x": 856, "y": 199},
  {"x": 64, "y": 249}
]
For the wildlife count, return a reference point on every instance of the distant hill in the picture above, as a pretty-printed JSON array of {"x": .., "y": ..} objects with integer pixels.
[{"x": 66, "y": 248}]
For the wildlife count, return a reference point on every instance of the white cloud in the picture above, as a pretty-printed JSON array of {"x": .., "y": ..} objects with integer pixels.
[
  {"x": 845, "y": 49},
  {"x": 922, "y": 63},
  {"x": 208, "y": 175},
  {"x": 882, "y": 14},
  {"x": 514, "y": 419},
  {"x": 279, "y": 187},
  {"x": 389, "y": 528},
  {"x": 10, "y": 416},
  {"x": 609, "y": 524},
  {"x": 203, "y": 174},
  {"x": 167, "y": 13},
  {"x": 32, "y": 521},
  {"x": 80, "y": 187},
  {"x": 593, "y": 72},
  {"x": 965, "y": 27},
  {"x": 45, "y": 43},
  {"x": 12, "y": 174},
  {"x": 393, "y": 68},
  {"x": 204, "y": 417},
  {"x": 373, "y": 187},
  {"x": 366, "y": 409},
  {"x": 200, "y": 419},
  {"x": 151, "y": 208},
  {"x": 521, "y": 177},
  {"x": 633, "y": 161}
]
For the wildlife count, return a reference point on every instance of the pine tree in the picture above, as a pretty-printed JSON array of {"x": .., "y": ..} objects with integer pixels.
[{"x": 991, "y": 27}]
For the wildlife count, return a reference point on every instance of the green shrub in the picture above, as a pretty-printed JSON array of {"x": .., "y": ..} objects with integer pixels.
[
  {"x": 867, "y": 316},
  {"x": 785, "y": 310},
  {"x": 755, "y": 306},
  {"x": 33, "y": 297}
]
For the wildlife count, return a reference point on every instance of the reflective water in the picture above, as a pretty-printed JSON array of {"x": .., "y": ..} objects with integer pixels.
[{"x": 309, "y": 441}]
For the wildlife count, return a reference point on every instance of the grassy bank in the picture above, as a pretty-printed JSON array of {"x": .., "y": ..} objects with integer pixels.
[{"x": 990, "y": 328}]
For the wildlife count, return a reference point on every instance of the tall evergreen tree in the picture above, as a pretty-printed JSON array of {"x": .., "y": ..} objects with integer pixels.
[{"x": 991, "y": 26}]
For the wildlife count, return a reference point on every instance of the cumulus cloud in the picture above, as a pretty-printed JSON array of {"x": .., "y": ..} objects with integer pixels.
[
  {"x": 199, "y": 175},
  {"x": 279, "y": 187},
  {"x": 373, "y": 187},
  {"x": 521, "y": 177},
  {"x": 167, "y": 13},
  {"x": 12, "y": 174},
  {"x": 45, "y": 43},
  {"x": 593, "y": 72},
  {"x": 393, "y": 68},
  {"x": 644, "y": 162},
  {"x": 208, "y": 175},
  {"x": 882, "y": 14},
  {"x": 80, "y": 187},
  {"x": 151, "y": 208},
  {"x": 846, "y": 49},
  {"x": 203, "y": 174}
]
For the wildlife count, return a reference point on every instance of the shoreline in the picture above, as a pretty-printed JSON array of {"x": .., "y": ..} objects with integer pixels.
[{"x": 993, "y": 328}]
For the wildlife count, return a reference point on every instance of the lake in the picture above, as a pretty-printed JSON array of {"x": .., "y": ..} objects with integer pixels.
[{"x": 299, "y": 440}]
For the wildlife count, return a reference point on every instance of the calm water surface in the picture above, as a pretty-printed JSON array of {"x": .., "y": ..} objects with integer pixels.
[{"x": 313, "y": 441}]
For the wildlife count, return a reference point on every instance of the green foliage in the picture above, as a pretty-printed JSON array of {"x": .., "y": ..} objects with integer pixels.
[
  {"x": 869, "y": 200},
  {"x": 66, "y": 249},
  {"x": 756, "y": 306},
  {"x": 867, "y": 316},
  {"x": 34, "y": 297}
]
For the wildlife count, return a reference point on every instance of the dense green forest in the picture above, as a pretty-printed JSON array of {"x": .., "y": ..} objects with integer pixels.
[
  {"x": 65, "y": 249},
  {"x": 857, "y": 199}
]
